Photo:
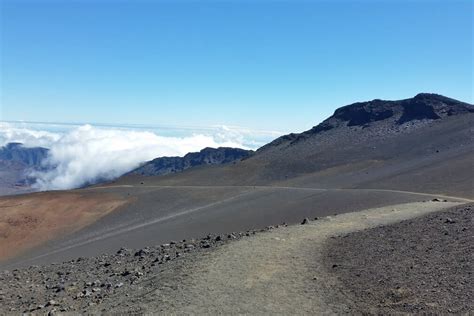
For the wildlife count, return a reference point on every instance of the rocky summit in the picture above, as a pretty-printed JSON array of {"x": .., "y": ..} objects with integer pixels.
[{"x": 391, "y": 114}]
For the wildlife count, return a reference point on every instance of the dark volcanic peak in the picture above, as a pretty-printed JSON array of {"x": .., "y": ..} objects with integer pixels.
[
  {"x": 393, "y": 114},
  {"x": 424, "y": 106},
  {"x": 207, "y": 156}
]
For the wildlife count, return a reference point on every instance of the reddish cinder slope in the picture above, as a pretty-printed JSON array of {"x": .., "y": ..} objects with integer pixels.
[{"x": 29, "y": 220}]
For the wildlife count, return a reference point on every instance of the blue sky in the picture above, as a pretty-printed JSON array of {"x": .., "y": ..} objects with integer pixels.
[{"x": 278, "y": 65}]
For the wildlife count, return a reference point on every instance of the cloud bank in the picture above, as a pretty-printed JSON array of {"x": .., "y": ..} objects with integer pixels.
[{"x": 83, "y": 154}]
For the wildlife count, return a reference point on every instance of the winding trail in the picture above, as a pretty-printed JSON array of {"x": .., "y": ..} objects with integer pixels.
[
  {"x": 278, "y": 272},
  {"x": 263, "y": 187}
]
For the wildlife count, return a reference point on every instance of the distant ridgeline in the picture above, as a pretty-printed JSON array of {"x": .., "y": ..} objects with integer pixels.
[
  {"x": 17, "y": 153},
  {"x": 16, "y": 163},
  {"x": 207, "y": 156}
]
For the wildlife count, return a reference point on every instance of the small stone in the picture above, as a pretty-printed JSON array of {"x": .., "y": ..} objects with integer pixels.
[
  {"x": 52, "y": 303},
  {"x": 142, "y": 252},
  {"x": 123, "y": 251},
  {"x": 120, "y": 284},
  {"x": 449, "y": 221},
  {"x": 305, "y": 221}
]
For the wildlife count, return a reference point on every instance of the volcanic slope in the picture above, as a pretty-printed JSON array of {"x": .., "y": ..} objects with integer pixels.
[{"x": 366, "y": 155}]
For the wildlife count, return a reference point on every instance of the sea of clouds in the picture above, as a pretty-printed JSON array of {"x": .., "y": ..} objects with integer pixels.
[{"x": 81, "y": 154}]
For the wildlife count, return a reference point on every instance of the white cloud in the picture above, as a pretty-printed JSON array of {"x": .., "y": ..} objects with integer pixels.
[
  {"x": 20, "y": 133},
  {"x": 82, "y": 154}
]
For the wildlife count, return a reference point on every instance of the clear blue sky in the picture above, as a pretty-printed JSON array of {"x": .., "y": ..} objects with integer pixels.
[{"x": 263, "y": 64}]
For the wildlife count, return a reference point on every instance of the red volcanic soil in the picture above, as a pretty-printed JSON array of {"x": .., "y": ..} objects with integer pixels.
[{"x": 29, "y": 220}]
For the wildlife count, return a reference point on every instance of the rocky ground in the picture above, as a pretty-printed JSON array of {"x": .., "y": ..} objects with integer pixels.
[
  {"x": 423, "y": 265},
  {"x": 85, "y": 283}
]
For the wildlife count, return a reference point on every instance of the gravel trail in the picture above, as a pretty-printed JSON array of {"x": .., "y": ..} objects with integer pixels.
[{"x": 280, "y": 272}]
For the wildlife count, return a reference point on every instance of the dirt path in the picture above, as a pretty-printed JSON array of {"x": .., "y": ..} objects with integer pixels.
[{"x": 279, "y": 272}]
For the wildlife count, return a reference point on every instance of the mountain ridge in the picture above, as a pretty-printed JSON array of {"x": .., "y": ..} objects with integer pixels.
[{"x": 206, "y": 156}]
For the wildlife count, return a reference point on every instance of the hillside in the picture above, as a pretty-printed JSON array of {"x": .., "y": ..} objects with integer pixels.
[{"x": 429, "y": 133}]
